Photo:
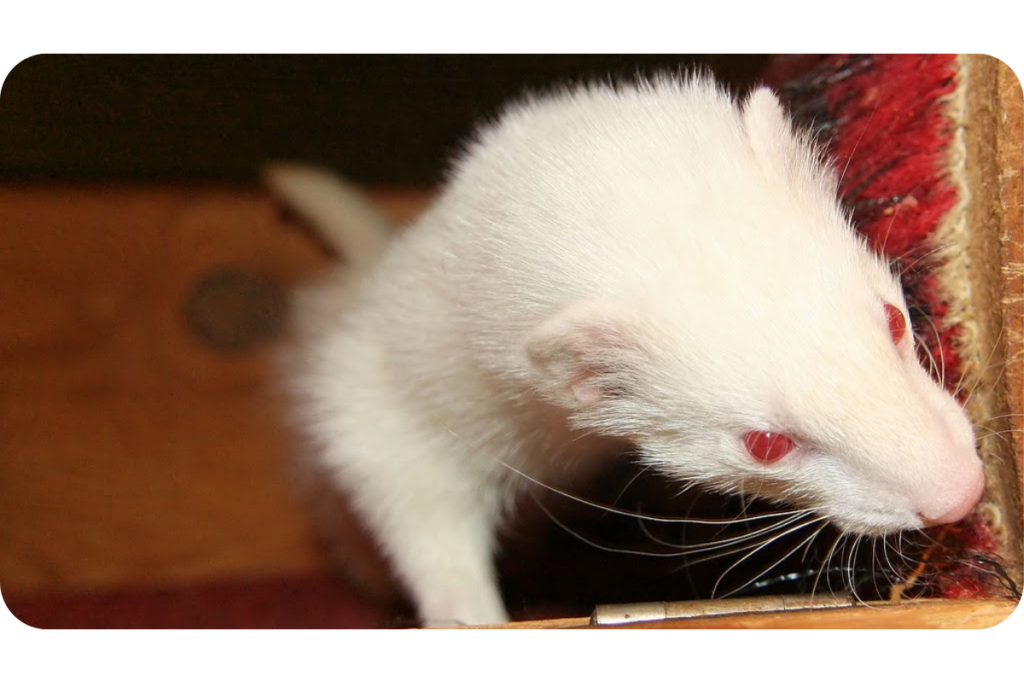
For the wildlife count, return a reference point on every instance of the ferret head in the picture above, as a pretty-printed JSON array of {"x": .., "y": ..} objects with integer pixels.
[{"x": 786, "y": 370}]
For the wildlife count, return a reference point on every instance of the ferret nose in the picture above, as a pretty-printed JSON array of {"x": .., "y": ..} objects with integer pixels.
[{"x": 961, "y": 509}]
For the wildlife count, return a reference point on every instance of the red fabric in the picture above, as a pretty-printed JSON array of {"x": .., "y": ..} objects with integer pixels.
[
  {"x": 888, "y": 131},
  {"x": 897, "y": 138}
]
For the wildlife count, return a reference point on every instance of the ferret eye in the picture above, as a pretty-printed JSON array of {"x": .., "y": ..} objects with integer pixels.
[
  {"x": 767, "y": 446},
  {"x": 897, "y": 323}
]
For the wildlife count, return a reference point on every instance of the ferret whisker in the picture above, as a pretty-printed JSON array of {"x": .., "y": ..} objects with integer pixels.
[
  {"x": 901, "y": 548},
  {"x": 817, "y": 532},
  {"x": 881, "y": 564},
  {"x": 686, "y": 488},
  {"x": 873, "y": 565},
  {"x": 824, "y": 566},
  {"x": 981, "y": 373},
  {"x": 997, "y": 434},
  {"x": 888, "y": 560},
  {"x": 714, "y": 589},
  {"x": 749, "y": 500},
  {"x": 723, "y": 543},
  {"x": 885, "y": 239},
  {"x": 990, "y": 566},
  {"x": 942, "y": 356},
  {"x": 908, "y": 266},
  {"x": 791, "y": 526},
  {"x": 594, "y": 544},
  {"x": 629, "y": 483},
  {"x": 999, "y": 417},
  {"x": 856, "y": 145},
  {"x": 648, "y": 517},
  {"x": 754, "y": 545},
  {"x": 620, "y": 551},
  {"x": 843, "y": 566},
  {"x": 851, "y": 580},
  {"x": 1000, "y": 434},
  {"x": 935, "y": 370}
]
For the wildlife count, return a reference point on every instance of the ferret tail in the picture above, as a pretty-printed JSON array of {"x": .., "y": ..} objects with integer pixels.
[{"x": 341, "y": 215}]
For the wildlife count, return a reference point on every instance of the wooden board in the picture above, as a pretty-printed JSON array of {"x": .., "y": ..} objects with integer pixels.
[
  {"x": 995, "y": 222},
  {"x": 920, "y": 614},
  {"x": 132, "y": 453}
]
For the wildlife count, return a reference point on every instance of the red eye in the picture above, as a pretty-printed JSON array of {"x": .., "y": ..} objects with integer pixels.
[
  {"x": 897, "y": 323},
  {"x": 767, "y": 446}
]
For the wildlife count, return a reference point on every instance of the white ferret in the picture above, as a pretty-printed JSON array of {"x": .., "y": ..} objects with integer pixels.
[{"x": 652, "y": 264}]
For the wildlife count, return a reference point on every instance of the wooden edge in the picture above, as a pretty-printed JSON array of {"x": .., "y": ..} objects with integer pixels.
[
  {"x": 565, "y": 623},
  {"x": 956, "y": 614},
  {"x": 993, "y": 175},
  {"x": 1010, "y": 160},
  {"x": 978, "y": 614}
]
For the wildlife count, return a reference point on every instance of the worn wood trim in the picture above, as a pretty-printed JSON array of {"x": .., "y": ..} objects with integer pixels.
[
  {"x": 993, "y": 234},
  {"x": 919, "y": 614}
]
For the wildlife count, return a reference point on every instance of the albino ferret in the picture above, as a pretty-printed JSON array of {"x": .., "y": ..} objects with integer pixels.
[{"x": 652, "y": 264}]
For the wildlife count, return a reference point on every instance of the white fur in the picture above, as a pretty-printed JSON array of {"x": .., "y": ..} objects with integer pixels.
[{"x": 655, "y": 264}]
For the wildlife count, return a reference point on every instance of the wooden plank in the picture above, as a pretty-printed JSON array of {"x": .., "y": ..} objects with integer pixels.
[
  {"x": 992, "y": 144},
  {"x": 1010, "y": 160},
  {"x": 742, "y": 614},
  {"x": 131, "y": 452},
  {"x": 957, "y": 614}
]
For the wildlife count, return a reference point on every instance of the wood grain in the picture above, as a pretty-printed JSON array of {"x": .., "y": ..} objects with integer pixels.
[
  {"x": 995, "y": 216},
  {"x": 1010, "y": 161},
  {"x": 131, "y": 454}
]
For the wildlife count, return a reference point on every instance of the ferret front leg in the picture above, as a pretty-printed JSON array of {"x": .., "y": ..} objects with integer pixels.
[{"x": 434, "y": 517}]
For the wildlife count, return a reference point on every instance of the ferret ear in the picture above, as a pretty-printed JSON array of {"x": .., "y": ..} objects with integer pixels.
[
  {"x": 588, "y": 354},
  {"x": 779, "y": 147},
  {"x": 766, "y": 120}
]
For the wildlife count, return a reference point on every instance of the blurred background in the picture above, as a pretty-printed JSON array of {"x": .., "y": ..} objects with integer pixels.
[{"x": 375, "y": 118}]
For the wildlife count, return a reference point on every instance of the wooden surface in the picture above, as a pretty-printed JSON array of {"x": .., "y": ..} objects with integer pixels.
[
  {"x": 994, "y": 161},
  {"x": 131, "y": 452},
  {"x": 921, "y": 614},
  {"x": 1010, "y": 162}
]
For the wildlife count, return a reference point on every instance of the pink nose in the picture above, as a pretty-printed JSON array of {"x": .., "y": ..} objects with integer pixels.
[{"x": 960, "y": 510}]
